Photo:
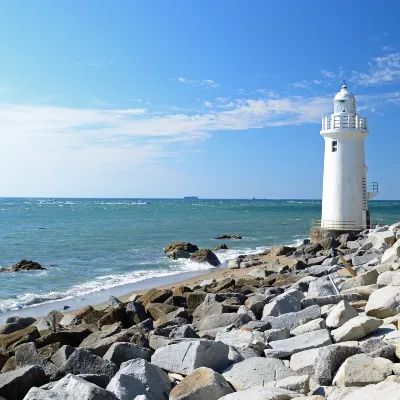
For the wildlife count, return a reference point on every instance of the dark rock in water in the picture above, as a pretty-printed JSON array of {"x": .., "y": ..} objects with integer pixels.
[
  {"x": 66, "y": 307},
  {"x": 176, "y": 254},
  {"x": 16, "y": 384},
  {"x": 220, "y": 247},
  {"x": 180, "y": 246},
  {"x": 205, "y": 256},
  {"x": 228, "y": 237},
  {"x": 23, "y": 265}
]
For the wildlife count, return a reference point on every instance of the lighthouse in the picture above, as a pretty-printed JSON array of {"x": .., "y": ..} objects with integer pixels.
[{"x": 345, "y": 192}]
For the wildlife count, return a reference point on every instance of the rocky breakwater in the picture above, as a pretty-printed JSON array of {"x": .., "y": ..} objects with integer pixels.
[{"x": 294, "y": 323}]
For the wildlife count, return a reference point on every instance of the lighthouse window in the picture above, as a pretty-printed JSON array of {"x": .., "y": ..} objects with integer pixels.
[{"x": 334, "y": 145}]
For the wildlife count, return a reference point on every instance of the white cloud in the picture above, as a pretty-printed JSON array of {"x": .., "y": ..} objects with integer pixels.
[
  {"x": 135, "y": 100},
  {"x": 382, "y": 70},
  {"x": 388, "y": 48},
  {"x": 208, "y": 83},
  {"x": 378, "y": 37},
  {"x": 94, "y": 64},
  {"x": 208, "y": 104},
  {"x": 328, "y": 74}
]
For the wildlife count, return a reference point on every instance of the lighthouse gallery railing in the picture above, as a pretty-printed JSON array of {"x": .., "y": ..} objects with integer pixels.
[
  {"x": 344, "y": 121},
  {"x": 340, "y": 225}
]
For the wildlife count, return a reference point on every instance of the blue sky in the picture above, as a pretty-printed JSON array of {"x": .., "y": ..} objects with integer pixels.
[{"x": 173, "y": 98}]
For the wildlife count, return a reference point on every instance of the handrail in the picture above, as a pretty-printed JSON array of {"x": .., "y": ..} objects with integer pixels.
[
  {"x": 340, "y": 225},
  {"x": 373, "y": 187},
  {"x": 344, "y": 121}
]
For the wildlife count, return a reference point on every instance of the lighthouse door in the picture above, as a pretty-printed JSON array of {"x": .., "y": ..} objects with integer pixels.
[{"x": 368, "y": 219}]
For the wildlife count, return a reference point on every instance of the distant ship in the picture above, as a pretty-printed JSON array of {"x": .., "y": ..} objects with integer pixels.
[{"x": 190, "y": 198}]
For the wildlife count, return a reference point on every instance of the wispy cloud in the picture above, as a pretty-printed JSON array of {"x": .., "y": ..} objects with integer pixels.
[
  {"x": 328, "y": 74},
  {"x": 208, "y": 83},
  {"x": 135, "y": 100},
  {"x": 305, "y": 84},
  {"x": 94, "y": 64},
  {"x": 381, "y": 70},
  {"x": 260, "y": 76},
  {"x": 378, "y": 37},
  {"x": 388, "y": 47}
]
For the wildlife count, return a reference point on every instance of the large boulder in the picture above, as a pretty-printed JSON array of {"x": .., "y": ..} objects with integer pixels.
[
  {"x": 238, "y": 337},
  {"x": 263, "y": 393},
  {"x": 321, "y": 287},
  {"x": 276, "y": 251},
  {"x": 282, "y": 304},
  {"x": 253, "y": 371},
  {"x": 122, "y": 352},
  {"x": 221, "y": 320},
  {"x": 185, "y": 357},
  {"x": 368, "y": 278},
  {"x": 201, "y": 384},
  {"x": 8, "y": 340},
  {"x": 139, "y": 377},
  {"x": 228, "y": 237},
  {"x": 71, "y": 337},
  {"x": 23, "y": 265},
  {"x": 62, "y": 355},
  {"x": 299, "y": 384},
  {"x": 361, "y": 370},
  {"x": 383, "y": 390},
  {"x": 340, "y": 314},
  {"x": 392, "y": 254},
  {"x": 180, "y": 246},
  {"x": 16, "y": 384},
  {"x": 205, "y": 256},
  {"x": 384, "y": 302},
  {"x": 356, "y": 328}
]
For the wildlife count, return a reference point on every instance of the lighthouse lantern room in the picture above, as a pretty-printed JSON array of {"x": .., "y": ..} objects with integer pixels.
[{"x": 345, "y": 191}]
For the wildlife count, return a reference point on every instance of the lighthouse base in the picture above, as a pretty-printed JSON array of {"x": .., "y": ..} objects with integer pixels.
[{"x": 320, "y": 235}]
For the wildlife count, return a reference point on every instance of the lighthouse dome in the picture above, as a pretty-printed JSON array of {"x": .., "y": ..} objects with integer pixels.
[
  {"x": 344, "y": 102},
  {"x": 344, "y": 94}
]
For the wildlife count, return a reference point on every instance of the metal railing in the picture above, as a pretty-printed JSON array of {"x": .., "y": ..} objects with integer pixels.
[
  {"x": 344, "y": 121},
  {"x": 340, "y": 225},
  {"x": 373, "y": 187}
]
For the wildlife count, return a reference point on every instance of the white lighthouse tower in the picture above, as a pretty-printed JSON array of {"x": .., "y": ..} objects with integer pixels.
[{"x": 345, "y": 191}]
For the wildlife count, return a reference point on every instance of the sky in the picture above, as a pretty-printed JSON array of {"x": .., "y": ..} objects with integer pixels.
[{"x": 219, "y": 99}]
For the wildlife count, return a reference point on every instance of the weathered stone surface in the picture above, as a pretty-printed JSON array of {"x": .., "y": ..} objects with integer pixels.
[
  {"x": 262, "y": 393},
  {"x": 368, "y": 278},
  {"x": 253, "y": 371},
  {"x": 304, "y": 361},
  {"x": 299, "y": 384},
  {"x": 375, "y": 347},
  {"x": 329, "y": 360},
  {"x": 205, "y": 256},
  {"x": 310, "y": 326},
  {"x": 293, "y": 320},
  {"x": 237, "y": 337},
  {"x": 340, "y": 314},
  {"x": 135, "y": 312},
  {"x": 16, "y": 384},
  {"x": 302, "y": 342},
  {"x": 202, "y": 384},
  {"x": 383, "y": 390},
  {"x": 361, "y": 370},
  {"x": 82, "y": 361},
  {"x": 166, "y": 319},
  {"x": 356, "y": 328},
  {"x": 7, "y": 340},
  {"x": 392, "y": 254},
  {"x": 194, "y": 299},
  {"x": 321, "y": 287},
  {"x": 185, "y": 331},
  {"x": 121, "y": 352},
  {"x": 11, "y": 327},
  {"x": 276, "y": 334},
  {"x": 155, "y": 296},
  {"x": 139, "y": 377},
  {"x": 281, "y": 250},
  {"x": 72, "y": 337},
  {"x": 220, "y": 320},
  {"x": 180, "y": 246},
  {"x": 158, "y": 310},
  {"x": 391, "y": 278},
  {"x": 62, "y": 355},
  {"x": 26, "y": 321},
  {"x": 282, "y": 304},
  {"x": 384, "y": 302},
  {"x": 185, "y": 357},
  {"x": 323, "y": 301},
  {"x": 228, "y": 237}
]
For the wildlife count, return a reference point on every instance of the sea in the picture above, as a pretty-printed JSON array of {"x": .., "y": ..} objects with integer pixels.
[{"x": 92, "y": 248}]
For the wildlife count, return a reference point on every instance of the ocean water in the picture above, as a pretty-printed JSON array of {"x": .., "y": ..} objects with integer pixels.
[{"x": 92, "y": 245}]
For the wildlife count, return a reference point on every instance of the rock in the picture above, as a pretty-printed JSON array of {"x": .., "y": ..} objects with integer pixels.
[
  {"x": 293, "y": 320},
  {"x": 113, "y": 301},
  {"x": 253, "y": 371},
  {"x": 382, "y": 240},
  {"x": 26, "y": 321},
  {"x": 368, "y": 278},
  {"x": 310, "y": 326},
  {"x": 221, "y": 320},
  {"x": 24, "y": 265},
  {"x": 7, "y": 340},
  {"x": 139, "y": 377},
  {"x": 384, "y": 302},
  {"x": 201, "y": 384},
  {"x": 304, "y": 362},
  {"x": 234, "y": 264},
  {"x": 71, "y": 387},
  {"x": 392, "y": 254},
  {"x": 340, "y": 314},
  {"x": 245, "y": 310},
  {"x": 82, "y": 361},
  {"x": 168, "y": 319},
  {"x": 155, "y": 296},
  {"x": 321, "y": 287},
  {"x": 157, "y": 310},
  {"x": 316, "y": 260},
  {"x": 184, "y": 331},
  {"x": 11, "y": 328},
  {"x": 194, "y": 299},
  {"x": 329, "y": 360},
  {"x": 27, "y": 354},
  {"x": 180, "y": 246},
  {"x": 322, "y": 301},
  {"x": 391, "y": 278},
  {"x": 72, "y": 337},
  {"x": 299, "y": 384},
  {"x": 361, "y": 370},
  {"x": 62, "y": 355},
  {"x": 121, "y": 352},
  {"x": 256, "y": 326},
  {"x": 205, "y": 256},
  {"x": 272, "y": 335},
  {"x": 237, "y": 337},
  {"x": 262, "y": 393},
  {"x": 282, "y": 304},
  {"x": 16, "y": 384},
  {"x": 370, "y": 255},
  {"x": 185, "y": 357},
  {"x": 302, "y": 342},
  {"x": 228, "y": 237},
  {"x": 220, "y": 247},
  {"x": 135, "y": 312},
  {"x": 383, "y": 390},
  {"x": 276, "y": 251},
  {"x": 356, "y": 328},
  {"x": 375, "y": 347}
]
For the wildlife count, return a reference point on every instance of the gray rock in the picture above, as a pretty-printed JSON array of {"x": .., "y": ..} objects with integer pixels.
[
  {"x": 384, "y": 302},
  {"x": 237, "y": 337},
  {"x": 99, "y": 342},
  {"x": 98, "y": 379},
  {"x": 26, "y": 321},
  {"x": 329, "y": 360},
  {"x": 383, "y": 390},
  {"x": 323, "y": 301},
  {"x": 139, "y": 377},
  {"x": 234, "y": 264},
  {"x": 370, "y": 255},
  {"x": 304, "y": 361},
  {"x": 62, "y": 355},
  {"x": 277, "y": 334},
  {"x": 221, "y": 320},
  {"x": 340, "y": 314},
  {"x": 361, "y": 370},
  {"x": 356, "y": 329},
  {"x": 253, "y": 371},
  {"x": 293, "y": 320},
  {"x": 121, "y": 352},
  {"x": 389, "y": 278},
  {"x": 321, "y": 287},
  {"x": 184, "y": 358},
  {"x": 185, "y": 331},
  {"x": 392, "y": 254},
  {"x": 299, "y": 384},
  {"x": 302, "y": 342},
  {"x": 82, "y": 361},
  {"x": 368, "y": 278},
  {"x": 282, "y": 304},
  {"x": 11, "y": 327},
  {"x": 244, "y": 310},
  {"x": 256, "y": 303},
  {"x": 16, "y": 384},
  {"x": 260, "y": 326},
  {"x": 262, "y": 393},
  {"x": 316, "y": 260},
  {"x": 26, "y": 354},
  {"x": 202, "y": 384},
  {"x": 375, "y": 347},
  {"x": 310, "y": 326}
]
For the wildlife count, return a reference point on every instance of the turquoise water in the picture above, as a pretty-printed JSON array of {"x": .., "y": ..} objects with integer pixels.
[{"x": 89, "y": 245}]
